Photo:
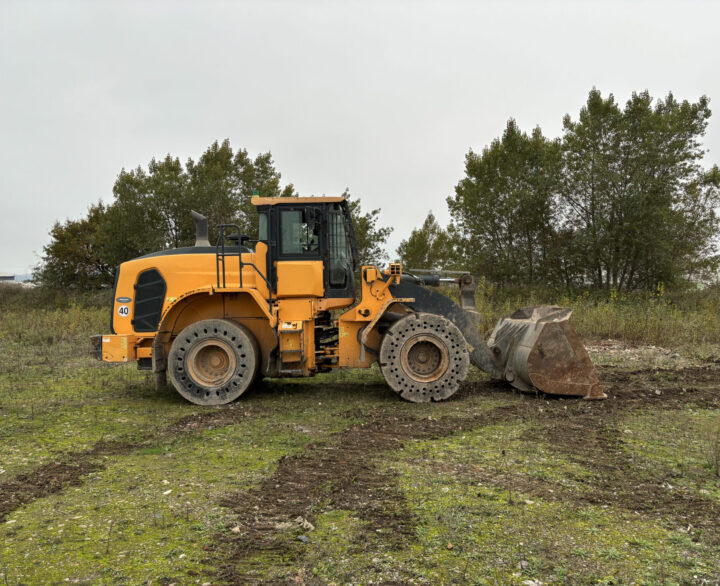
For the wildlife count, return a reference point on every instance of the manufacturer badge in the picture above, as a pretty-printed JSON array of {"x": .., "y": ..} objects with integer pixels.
[{"x": 123, "y": 300}]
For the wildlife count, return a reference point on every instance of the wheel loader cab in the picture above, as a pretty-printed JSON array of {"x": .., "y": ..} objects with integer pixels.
[{"x": 311, "y": 250}]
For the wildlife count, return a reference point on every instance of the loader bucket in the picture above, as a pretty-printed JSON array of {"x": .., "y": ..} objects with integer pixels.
[{"x": 538, "y": 349}]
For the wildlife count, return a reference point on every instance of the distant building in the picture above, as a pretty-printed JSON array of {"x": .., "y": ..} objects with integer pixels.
[{"x": 6, "y": 277}]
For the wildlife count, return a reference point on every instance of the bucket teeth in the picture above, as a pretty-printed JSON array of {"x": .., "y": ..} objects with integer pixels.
[{"x": 538, "y": 349}]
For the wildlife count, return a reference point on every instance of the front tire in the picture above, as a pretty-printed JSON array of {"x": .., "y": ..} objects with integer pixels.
[
  {"x": 424, "y": 357},
  {"x": 213, "y": 361}
]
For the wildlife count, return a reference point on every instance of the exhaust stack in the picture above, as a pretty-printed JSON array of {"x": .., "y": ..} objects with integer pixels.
[{"x": 201, "y": 229}]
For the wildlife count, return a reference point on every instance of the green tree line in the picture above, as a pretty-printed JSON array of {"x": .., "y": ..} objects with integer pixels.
[
  {"x": 151, "y": 208},
  {"x": 620, "y": 201}
]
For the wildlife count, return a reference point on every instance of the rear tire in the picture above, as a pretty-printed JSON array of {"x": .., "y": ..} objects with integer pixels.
[
  {"x": 213, "y": 361},
  {"x": 424, "y": 357}
]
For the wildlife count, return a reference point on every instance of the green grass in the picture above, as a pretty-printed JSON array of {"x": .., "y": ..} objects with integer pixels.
[
  {"x": 150, "y": 514},
  {"x": 492, "y": 503},
  {"x": 680, "y": 447},
  {"x": 494, "y": 531},
  {"x": 471, "y": 531}
]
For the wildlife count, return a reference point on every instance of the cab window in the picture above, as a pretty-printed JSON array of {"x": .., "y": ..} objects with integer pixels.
[
  {"x": 340, "y": 251},
  {"x": 298, "y": 236},
  {"x": 263, "y": 227}
]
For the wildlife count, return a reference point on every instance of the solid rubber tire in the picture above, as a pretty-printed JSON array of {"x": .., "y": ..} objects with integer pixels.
[
  {"x": 247, "y": 361},
  {"x": 417, "y": 325}
]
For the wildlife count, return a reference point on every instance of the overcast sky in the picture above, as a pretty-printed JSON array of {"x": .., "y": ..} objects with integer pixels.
[{"x": 384, "y": 98}]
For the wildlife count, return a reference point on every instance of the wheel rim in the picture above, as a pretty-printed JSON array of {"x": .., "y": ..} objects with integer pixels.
[
  {"x": 424, "y": 358},
  {"x": 211, "y": 363}
]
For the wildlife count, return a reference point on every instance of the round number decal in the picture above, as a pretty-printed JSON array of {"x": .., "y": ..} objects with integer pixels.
[{"x": 123, "y": 311}]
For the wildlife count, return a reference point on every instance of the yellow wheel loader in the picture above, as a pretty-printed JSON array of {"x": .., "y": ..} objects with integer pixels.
[{"x": 214, "y": 319}]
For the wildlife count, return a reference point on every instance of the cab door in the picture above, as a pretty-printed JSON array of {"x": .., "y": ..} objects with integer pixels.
[
  {"x": 339, "y": 265},
  {"x": 299, "y": 267}
]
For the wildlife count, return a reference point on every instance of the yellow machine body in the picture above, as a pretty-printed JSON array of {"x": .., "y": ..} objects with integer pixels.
[
  {"x": 214, "y": 318},
  {"x": 287, "y": 324},
  {"x": 283, "y": 324}
]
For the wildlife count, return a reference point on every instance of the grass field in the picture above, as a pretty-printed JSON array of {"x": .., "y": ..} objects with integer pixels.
[{"x": 105, "y": 480}]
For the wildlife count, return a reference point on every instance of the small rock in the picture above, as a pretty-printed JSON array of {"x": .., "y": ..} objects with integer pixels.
[
  {"x": 284, "y": 526},
  {"x": 658, "y": 392},
  {"x": 523, "y": 565},
  {"x": 449, "y": 545},
  {"x": 529, "y": 502},
  {"x": 182, "y": 556},
  {"x": 167, "y": 492},
  {"x": 236, "y": 529},
  {"x": 532, "y": 583},
  {"x": 305, "y": 524},
  {"x": 303, "y": 538}
]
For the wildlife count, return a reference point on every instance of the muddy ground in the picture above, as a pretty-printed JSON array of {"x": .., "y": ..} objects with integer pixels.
[
  {"x": 269, "y": 533},
  {"x": 344, "y": 474}
]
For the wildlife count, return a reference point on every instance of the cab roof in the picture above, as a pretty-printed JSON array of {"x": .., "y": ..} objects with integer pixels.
[{"x": 271, "y": 201}]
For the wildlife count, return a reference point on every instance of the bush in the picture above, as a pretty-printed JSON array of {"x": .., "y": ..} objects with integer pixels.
[
  {"x": 16, "y": 297},
  {"x": 675, "y": 318}
]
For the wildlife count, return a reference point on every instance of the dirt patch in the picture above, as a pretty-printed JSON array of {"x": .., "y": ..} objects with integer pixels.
[
  {"x": 56, "y": 476},
  {"x": 342, "y": 475},
  {"x": 70, "y": 470},
  {"x": 213, "y": 417},
  {"x": 595, "y": 440},
  {"x": 620, "y": 482},
  {"x": 44, "y": 481},
  {"x": 673, "y": 388}
]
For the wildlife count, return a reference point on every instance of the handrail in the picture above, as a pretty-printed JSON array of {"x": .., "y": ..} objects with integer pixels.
[{"x": 221, "y": 253}]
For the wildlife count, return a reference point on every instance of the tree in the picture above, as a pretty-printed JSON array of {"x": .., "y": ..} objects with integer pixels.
[
  {"x": 71, "y": 259},
  {"x": 221, "y": 185},
  {"x": 427, "y": 247},
  {"x": 505, "y": 208},
  {"x": 371, "y": 238},
  {"x": 622, "y": 201},
  {"x": 151, "y": 211},
  {"x": 634, "y": 192}
]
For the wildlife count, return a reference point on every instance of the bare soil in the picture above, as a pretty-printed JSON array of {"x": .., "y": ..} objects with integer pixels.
[
  {"x": 344, "y": 475},
  {"x": 70, "y": 469}
]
